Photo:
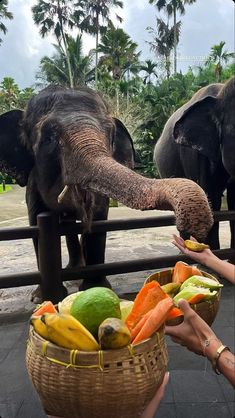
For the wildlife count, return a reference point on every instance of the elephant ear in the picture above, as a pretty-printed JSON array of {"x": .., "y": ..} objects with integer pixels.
[
  {"x": 15, "y": 159},
  {"x": 122, "y": 145},
  {"x": 198, "y": 128}
]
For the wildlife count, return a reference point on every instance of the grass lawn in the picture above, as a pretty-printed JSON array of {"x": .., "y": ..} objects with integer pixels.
[{"x": 8, "y": 188}]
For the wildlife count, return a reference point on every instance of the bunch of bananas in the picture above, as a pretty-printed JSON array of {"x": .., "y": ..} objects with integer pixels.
[{"x": 65, "y": 331}]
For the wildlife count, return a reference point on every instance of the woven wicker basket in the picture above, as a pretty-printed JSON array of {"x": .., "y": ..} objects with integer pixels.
[
  {"x": 107, "y": 384},
  {"x": 206, "y": 309}
]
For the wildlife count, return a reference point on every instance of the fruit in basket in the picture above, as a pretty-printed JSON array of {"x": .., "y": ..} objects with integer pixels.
[
  {"x": 126, "y": 307},
  {"x": 194, "y": 294},
  {"x": 39, "y": 326},
  {"x": 113, "y": 333},
  {"x": 94, "y": 305},
  {"x": 154, "y": 320},
  {"x": 65, "y": 305},
  {"x": 65, "y": 331},
  {"x": 195, "y": 246},
  {"x": 45, "y": 307},
  {"x": 171, "y": 288},
  {"x": 147, "y": 298},
  {"x": 182, "y": 271},
  {"x": 201, "y": 281}
]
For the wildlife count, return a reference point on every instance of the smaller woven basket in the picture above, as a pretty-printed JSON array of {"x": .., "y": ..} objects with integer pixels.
[
  {"x": 108, "y": 384},
  {"x": 207, "y": 310}
]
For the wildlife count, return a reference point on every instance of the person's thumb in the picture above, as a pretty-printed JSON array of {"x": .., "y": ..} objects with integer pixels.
[{"x": 185, "y": 307}]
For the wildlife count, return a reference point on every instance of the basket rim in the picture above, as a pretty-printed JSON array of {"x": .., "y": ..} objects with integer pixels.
[{"x": 201, "y": 304}]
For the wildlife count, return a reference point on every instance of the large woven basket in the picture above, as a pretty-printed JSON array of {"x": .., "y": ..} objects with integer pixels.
[
  {"x": 207, "y": 310},
  {"x": 104, "y": 384}
]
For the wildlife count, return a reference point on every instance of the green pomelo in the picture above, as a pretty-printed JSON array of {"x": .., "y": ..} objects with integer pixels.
[{"x": 94, "y": 305}]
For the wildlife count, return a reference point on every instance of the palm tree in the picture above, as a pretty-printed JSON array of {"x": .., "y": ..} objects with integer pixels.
[
  {"x": 4, "y": 14},
  {"x": 56, "y": 16},
  {"x": 171, "y": 7},
  {"x": 218, "y": 56},
  {"x": 97, "y": 11},
  {"x": 149, "y": 68},
  {"x": 55, "y": 69},
  {"x": 119, "y": 55},
  {"x": 163, "y": 42}
]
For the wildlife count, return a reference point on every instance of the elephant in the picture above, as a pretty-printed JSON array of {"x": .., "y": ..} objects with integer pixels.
[
  {"x": 198, "y": 143},
  {"x": 72, "y": 156}
]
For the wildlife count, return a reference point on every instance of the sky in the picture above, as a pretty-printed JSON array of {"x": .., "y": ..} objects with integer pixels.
[{"x": 206, "y": 22}]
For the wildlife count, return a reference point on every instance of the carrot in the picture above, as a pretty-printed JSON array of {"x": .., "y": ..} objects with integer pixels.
[
  {"x": 45, "y": 307},
  {"x": 156, "y": 319},
  {"x": 135, "y": 331},
  {"x": 196, "y": 298},
  {"x": 147, "y": 298},
  {"x": 182, "y": 271},
  {"x": 174, "y": 313}
]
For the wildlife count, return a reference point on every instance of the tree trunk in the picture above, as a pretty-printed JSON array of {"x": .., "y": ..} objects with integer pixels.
[
  {"x": 96, "y": 52},
  {"x": 175, "y": 42}
]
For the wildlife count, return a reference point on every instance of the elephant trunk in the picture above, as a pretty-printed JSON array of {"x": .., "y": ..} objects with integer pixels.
[{"x": 95, "y": 170}]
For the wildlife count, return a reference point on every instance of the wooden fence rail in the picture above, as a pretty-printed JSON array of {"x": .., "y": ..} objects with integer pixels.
[{"x": 49, "y": 231}]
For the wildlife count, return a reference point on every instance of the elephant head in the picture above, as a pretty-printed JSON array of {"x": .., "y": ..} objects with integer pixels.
[
  {"x": 207, "y": 124},
  {"x": 68, "y": 138}
]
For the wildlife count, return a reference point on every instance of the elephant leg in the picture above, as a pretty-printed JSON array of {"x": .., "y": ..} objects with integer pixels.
[
  {"x": 198, "y": 168},
  {"x": 93, "y": 245},
  {"x": 231, "y": 206},
  {"x": 75, "y": 253}
]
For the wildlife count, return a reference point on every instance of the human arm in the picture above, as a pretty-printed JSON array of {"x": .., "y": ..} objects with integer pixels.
[
  {"x": 206, "y": 257},
  {"x": 197, "y": 336},
  {"x": 153, "y": 405}
]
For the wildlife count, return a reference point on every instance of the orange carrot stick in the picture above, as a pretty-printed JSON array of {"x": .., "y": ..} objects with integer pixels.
[
  {"x": 45, "y": 307},
  {"x": 156, "y": 319},
  {"x": 196, "y": 298},
  {"x": 147, "y": 298},
  {"x": 135, "y": 331}
]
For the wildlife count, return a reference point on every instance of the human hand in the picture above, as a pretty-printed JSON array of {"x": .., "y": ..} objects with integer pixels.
[
  {"x": 201, "y": 257},
  {"x": 153, "y": 405},
  {"x": 193, "y": 332}
]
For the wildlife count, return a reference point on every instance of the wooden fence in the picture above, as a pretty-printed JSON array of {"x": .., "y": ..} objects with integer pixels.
[{"x": 51, "y": 275}]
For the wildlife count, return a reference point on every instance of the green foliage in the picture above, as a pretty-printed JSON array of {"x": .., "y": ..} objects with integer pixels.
[
  {"x": 11, "y": 97},
  {"x": 4, "y": 14}
]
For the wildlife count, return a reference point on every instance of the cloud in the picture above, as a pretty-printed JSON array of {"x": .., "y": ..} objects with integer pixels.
[{"x": 205, "y": 23}]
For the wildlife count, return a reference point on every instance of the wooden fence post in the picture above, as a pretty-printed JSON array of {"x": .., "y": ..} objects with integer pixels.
[{"x": 50, "y": 265}]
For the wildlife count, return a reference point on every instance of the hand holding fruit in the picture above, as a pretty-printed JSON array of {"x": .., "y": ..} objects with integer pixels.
[
  {"x": 193, "y": 332},
  {"x": 198, "y": 256}
]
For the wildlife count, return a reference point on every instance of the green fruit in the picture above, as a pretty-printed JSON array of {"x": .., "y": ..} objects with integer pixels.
[
  {"x": 190, "y": 291},
  {"x": 201, "y": 281},
  {"x": 94, "y": 305},
  {"x": 65, "y": 305},
  {"x": 126, "y": 307}
]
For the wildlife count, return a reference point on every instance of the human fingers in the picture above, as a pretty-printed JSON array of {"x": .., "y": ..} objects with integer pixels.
[{"x": 152, "y": 407}]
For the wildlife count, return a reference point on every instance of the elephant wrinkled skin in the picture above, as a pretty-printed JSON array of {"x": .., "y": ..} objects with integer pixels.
[
  {"x": 67, "y": 140},
  {"x": 198, "y": 143}
]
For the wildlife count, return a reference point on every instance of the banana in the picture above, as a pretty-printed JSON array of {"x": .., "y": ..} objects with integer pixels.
[
  {"x": 66, "y": 331},
  {"x": 195, "y": 246},
  {"x": 39, "y": 326},
  {"x": 113, "y": 333}
]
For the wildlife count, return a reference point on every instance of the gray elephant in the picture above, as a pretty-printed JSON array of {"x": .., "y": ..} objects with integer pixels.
[
  {"x": 198, "y": 143},
  {"x": 73, "y": 155}
]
